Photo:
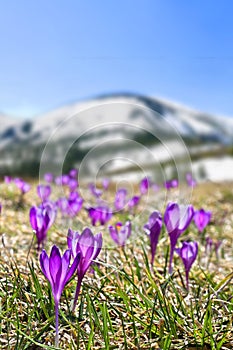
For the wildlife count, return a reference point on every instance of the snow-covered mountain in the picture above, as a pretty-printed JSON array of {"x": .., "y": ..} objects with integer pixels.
[{"x": 112, "y": 134}]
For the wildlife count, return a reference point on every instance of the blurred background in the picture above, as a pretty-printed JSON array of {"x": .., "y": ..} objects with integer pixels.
[{"x": 121, "y": 88}]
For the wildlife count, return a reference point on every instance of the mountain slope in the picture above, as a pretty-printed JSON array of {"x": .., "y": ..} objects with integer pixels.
[{"x": 117, "y": 132}]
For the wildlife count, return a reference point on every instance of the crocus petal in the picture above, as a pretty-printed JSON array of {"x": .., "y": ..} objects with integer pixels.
[
  {"x": 54, "y": 263},
  {"x": 44, "y": 263}
]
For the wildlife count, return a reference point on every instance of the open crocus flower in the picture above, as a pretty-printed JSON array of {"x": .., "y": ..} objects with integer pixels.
[
  {"x": 144, "y": 185},
  {"x": 177, "y": 219},
  {"x": 188, "y": 253},
  {"x": 100, "y": 214},
  {"x": 120, "y": 233},
  {"x": 58, "y": 272},
  {"x": 22, "y": 185},
  {"x": 201, "y": 219},
  {"x": 43, "y": 192},
  {"x": 89, "y": 247},
  {"x": 153, "y": 229}
]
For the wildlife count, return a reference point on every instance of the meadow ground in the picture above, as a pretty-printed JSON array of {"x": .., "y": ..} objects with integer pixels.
[{"x": 123, "y": 304}]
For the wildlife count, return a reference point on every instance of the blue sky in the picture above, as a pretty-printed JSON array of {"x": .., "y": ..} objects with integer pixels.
[{"x": 56, "y": 52}]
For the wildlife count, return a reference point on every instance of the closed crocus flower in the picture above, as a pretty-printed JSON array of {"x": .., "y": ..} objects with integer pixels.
[
  {"x": 58, "y": 272},
  {"x": 43, "y": 192},
  {"x": 133, "y": 202},
  {"x": 177, "y": 219},
  {"x": 40, "y": 222},
  {"x": 188, "y": 253},
  {"x": 201, "y": 219},
  {"x": 153, "y": 229},
  {"x": 120, "y": 198},
  {"x": 89, "y": 247},
  {"x": 144, "y": 185},
  {"x": 120, "y": 233}
]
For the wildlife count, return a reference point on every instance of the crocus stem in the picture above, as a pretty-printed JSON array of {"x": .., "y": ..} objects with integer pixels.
[
  {"x": 77, "y": 293},
  {"x": 170, "y": 260},
  {"x": 57, "y": 323},
  {"x": 187, "y": 279}
]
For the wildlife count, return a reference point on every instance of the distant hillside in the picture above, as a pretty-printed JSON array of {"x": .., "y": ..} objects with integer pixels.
[{"x": 113, "y": 134}]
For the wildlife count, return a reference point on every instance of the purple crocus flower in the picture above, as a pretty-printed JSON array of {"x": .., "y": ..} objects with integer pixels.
[
  {"x": 48, "y": 177},
  {"x": 171, "y": 184},
  {"x": 120, "y": 233},
  {"x": 50, "y": 208},
  {"x": 43, "y": 192},
  {"x": 100, "y": 214},
  {"x": 176, "y": 218},
  {"x": 95, "y": 191},
  {"x": 144, "y": 185},
  {"x": 73, "y": 173},
  {"x": 188, "y": 253},
  {"x": 190, "y": 180},
  {"x": 70, "y": 206},
  {"x": 40, "y": 222},
  {"x": 201, "y": 219},
  {"x": 133, "y": 202},
  {"x": 0, "y": 208},
  {"x": 153, "y": 229},
  {"x": 89, "y": 247},
  {"x": 73, "y": 184},
  {"x": 58, "y": 272},
  {"x": 120, "y": 199},
  {"x": 22, "y": 185}
]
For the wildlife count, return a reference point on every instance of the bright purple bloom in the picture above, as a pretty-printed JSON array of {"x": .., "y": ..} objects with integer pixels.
[
  {"x": 73, "y": 173},
  {"x": 133, "y": 202},
  {"x": 201, "y": 219},
  {"x": 0, "y": 208},
  {"x": 100, "y": 214},
  {"x": 58, "y": 272},
  {"x": 48, "y": 177},
  {"x": 89, "y": 247},
  {"x": 190, "y": 180},
  {"x": 176, "y": 218},
  {"x": 50, "y": 208},
  {"x": 188, "y": 253},
  {"x": 144, "y": 185},
  {"x": 120, "y": 233},
  {"x": 40, "y": 221},
  {"x": 73, "y": 184},
  {"x": 120, "y": 198},
  {"x": 43, "y": 192},
  {"x": 95, "y": 191},
  {"x": 171, "y": 184},
  {"x": 153, "y": 229},
  {"x": 70, "y": 206},
  {"x": 22, "y": 185}
]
